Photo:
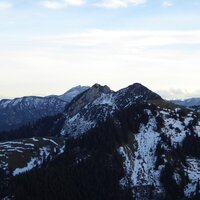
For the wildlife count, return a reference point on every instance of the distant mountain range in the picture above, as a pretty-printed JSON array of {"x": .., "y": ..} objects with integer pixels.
[
  {"x": 188, "y": 102},
  {"x": 192, "y": 103},
  {"x": 128, "y": 144},
  {"x": 20, "y": 111}
]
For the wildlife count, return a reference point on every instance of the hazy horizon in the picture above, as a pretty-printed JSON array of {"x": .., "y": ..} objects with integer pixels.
[{"x": 164, "y": 94}]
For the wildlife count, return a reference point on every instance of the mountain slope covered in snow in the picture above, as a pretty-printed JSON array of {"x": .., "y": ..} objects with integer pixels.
[
  {"x": 98, "y": 103},
  {"x": 141, "y": 152},
  {"x": 129, "y": 144}
]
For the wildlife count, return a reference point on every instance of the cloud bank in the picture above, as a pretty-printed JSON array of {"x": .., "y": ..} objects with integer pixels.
[
  {"x": 119, "y": 3},
  {"x": 158, "y": 59},
  {"x": 127, "y": 39},
  {"x": 55, "y": 4},
  {"x": 5, "y": 5},
  {"x": 112, "y": 4}
]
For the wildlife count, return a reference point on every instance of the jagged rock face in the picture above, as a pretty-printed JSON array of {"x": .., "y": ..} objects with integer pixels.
[
  {"x": 20, "y": 111},
  {"x": 98, "y": 103},
  {"x": 89, "y": 96}
]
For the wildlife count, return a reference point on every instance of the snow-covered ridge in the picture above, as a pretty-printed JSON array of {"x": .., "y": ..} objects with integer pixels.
[
  {"x": 98, "y": 103},
  {"x": 20, "y": 111},
  {"x": 36, "y": 100}
]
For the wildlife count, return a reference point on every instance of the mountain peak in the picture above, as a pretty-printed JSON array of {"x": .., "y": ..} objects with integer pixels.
[
  {"x": 138, "y": 90},
  {"x": 136, "y": 85},
  {"x": 104, "y": 89},
  {"x": 134, "y": 93},
  {"x": 87, "y": 97}
]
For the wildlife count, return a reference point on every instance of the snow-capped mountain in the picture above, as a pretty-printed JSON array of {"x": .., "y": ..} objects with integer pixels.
[
  {"x": 128, "y": 144},
  {"x": 20, "y": 111},
  {"x": 162, "y": 130},
  {"x": 98, "y": 103}
]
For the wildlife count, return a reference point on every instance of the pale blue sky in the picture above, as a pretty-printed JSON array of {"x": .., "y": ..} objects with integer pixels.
[{"x": 49, "y": 46}]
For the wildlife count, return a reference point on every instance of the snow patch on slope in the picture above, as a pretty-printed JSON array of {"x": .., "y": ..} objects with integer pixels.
[
  {"x": 144, "y": 172},
  {"x": 127, "y": 165},
  {"x": 77, "y": 125},
  {"x": 106, "y": 99},
  {"x": 30, "y": 166},
  {"x": 29, "y": 153},
  {"x": 193, "y": 172},
  {"x": 139, "y": 164}
]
